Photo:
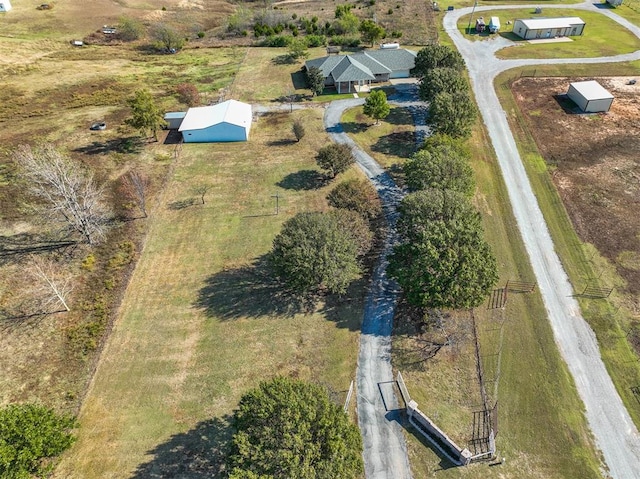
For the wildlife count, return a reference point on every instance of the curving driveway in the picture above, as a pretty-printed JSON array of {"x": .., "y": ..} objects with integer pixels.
[
  {"x": 613, "y": 429},
  {"x": 385, "y": 450}
]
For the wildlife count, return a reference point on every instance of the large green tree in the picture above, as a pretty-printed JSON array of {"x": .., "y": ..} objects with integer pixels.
[
  {"x": 453, "y": 114},
  {"x": 315, "y": 80},
  {"x": 437, "y": 56},
  {"x": 438, "y": 80},
  {"x": 441, "y": 168},
  {"x": 32, "y": 435},
  {"x": 317, "y": 252},
  {"x": 288, "y": 429},
  {"x": 371, "y": 31},
  {"x": 376, "y": 105},
  {"x": 335, "y": 158},
  {"x": 166, "y": 38},
  {"x": 443, "y": 260},
  {"x": 145, "y": 114}
]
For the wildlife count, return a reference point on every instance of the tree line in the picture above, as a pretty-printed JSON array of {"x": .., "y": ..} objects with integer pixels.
[{"x": 442, "y": 260}]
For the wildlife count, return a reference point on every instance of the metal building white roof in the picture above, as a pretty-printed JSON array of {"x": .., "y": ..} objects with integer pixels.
[
  {"x": 591, "y": 90},
  {"x": 230, "y": 111},
  {"x": 548, "y": 23}
]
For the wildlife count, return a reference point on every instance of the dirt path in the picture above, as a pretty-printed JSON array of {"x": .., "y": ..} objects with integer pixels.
[
  {"x": 613, "y": 429},
  {"x": 385, "y": 450}
]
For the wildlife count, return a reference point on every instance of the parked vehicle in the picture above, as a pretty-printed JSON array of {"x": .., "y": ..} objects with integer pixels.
[{"x": 494, "y": 25}]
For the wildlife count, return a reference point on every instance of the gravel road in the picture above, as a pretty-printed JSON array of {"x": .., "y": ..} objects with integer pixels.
[
  {"x": 385, "y": 450},
  {"x": 613, "y": 429}
]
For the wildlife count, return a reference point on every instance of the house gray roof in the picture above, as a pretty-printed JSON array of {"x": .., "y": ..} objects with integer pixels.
[
  {"x": 399, "y": 59},
  {"x": 350, "y": 69},
  {"x": 364, "y": 65},
  {"x": 325, "y": 64},
  {"x": 371, "y": 63}
]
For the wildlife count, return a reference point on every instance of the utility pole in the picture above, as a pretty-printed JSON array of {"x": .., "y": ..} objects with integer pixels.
[
  {"x": 475, "y": 4},
  {"x": 277, "y": 197}
]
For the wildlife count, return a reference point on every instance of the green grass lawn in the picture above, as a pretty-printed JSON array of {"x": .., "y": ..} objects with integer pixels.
[
  {"x": 609, "y": 318},
  {"x": 595, "y": 42},
  {"x": 390, "y": 142},
  {"x": 202, "y": 320}
]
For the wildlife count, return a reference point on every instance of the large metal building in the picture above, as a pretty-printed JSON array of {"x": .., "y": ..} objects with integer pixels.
[
  {"x": 5, "y": 5},
  {"x": 226, "y": 121},
  {"x": 590, "y": 96},
  {"x": 534, "y": 28}
]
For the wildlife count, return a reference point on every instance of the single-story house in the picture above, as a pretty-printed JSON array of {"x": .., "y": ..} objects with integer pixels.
[
  {"x": 348, "y": 72},
  {"x": 532, "y": 28},
  {"x": 5, "y": 5},
  {"x": 174, "y": 119},
  {"x": 590, "y": 96},
  {"x": 226, "y": 121}
]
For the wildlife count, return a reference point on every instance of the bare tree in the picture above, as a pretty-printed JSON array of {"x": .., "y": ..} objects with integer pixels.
[
  {"x": 68, "y": 191},
  {"x": 136, "y": 185},
  {"x": 51, "y": 283},
  {"x": 202, "y": 190}
]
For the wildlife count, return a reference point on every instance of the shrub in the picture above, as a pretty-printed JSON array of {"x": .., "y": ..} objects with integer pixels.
[
  {"x": 357, "y": 195},
  {"x": 188, "y": 94},
  {"x": 335, "y": 158}
]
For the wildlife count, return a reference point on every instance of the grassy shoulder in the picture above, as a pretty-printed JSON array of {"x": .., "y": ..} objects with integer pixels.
[
  {"x": 594, "y": 42},
  {"x": 609, "y": 318},
  {"x": 202, "y": 322},
  {"x": 542, "y": 428}
]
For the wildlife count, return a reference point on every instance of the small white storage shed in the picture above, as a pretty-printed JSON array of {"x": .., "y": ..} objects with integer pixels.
[
  {"x": 227, "y": 121},
  {"x": 5, "y": 5},
  {"x": 590, "y": 96}
]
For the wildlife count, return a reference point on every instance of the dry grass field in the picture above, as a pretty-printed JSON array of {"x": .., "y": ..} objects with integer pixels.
[{"x": 203, "y": 321}]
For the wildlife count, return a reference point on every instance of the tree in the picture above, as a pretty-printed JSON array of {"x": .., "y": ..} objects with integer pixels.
[
  {"x": 129, "y": 29},
  {"x": 315, "y": 80},
  {"x": 376, "y": 105},
  {"x": 51, "y": 283},
  {"x": 442, "y": 260},
  {"x": 438, "y": 80},
  {"x": 440, "y": 168},
  {"x": 30, "y": 437},
  {"x": 167, "y": 39},
  {"x": 335, "y": 158},
  {"x": 288, "y": 428},
  {"x": 298, "y": 129},
  {"x": 68, "y": 191},
  {"x": 145, "y": 114},
  {"x": 357, "y": 195},
  {"x": 437, "y": 56},
  {"x": 453, "y": 115},
  {"x": 371, "y": 31},
  {"x": 319, "y": 251},
  {"x": 136, "y": 185},
  {"x": 298, "y": 49},
  {"x": 188, "y": 94}
]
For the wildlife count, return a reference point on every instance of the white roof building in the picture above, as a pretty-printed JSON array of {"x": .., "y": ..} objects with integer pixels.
[
  {"x": 535, "y": 28},
  {"x": 5, "y": 5},
  {"x": 590, "y": 96},
  {"x": 227, "y": 121}
]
